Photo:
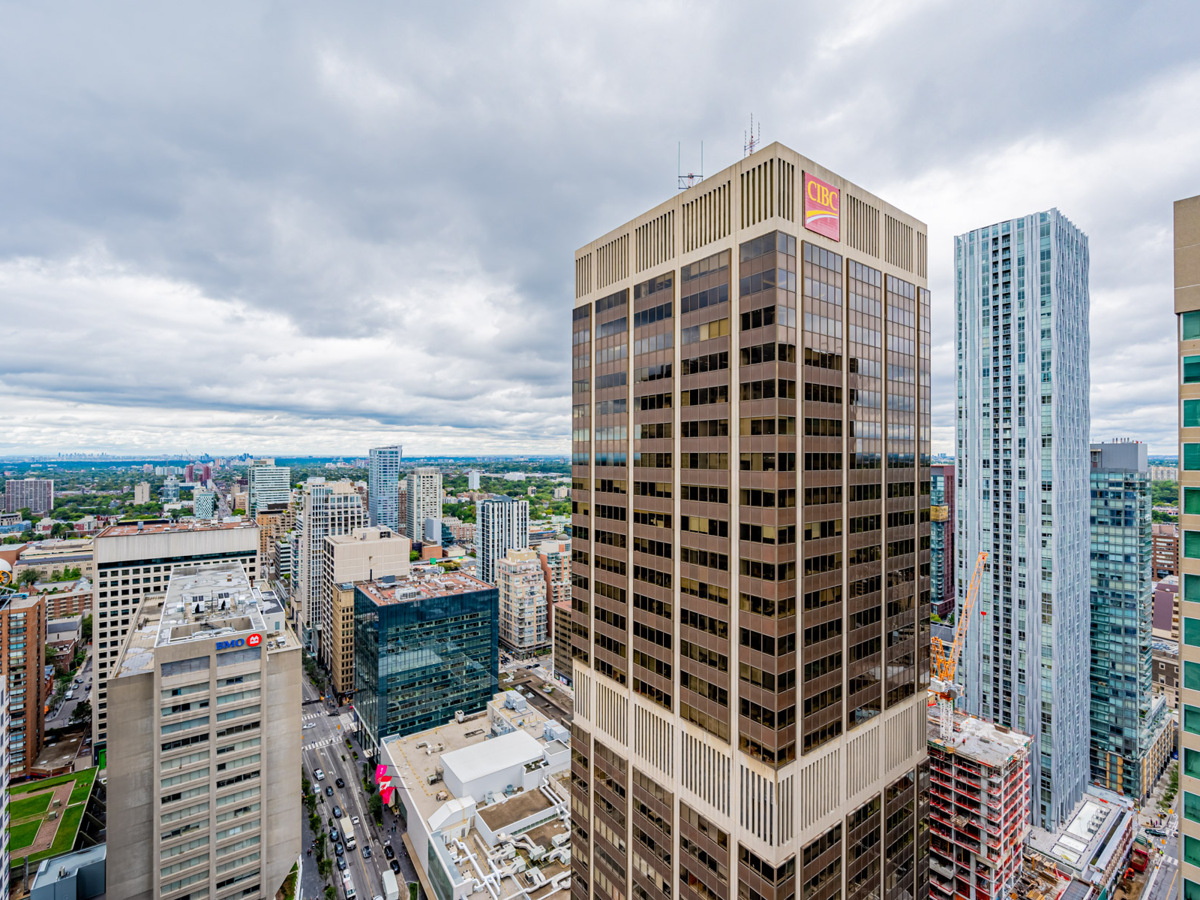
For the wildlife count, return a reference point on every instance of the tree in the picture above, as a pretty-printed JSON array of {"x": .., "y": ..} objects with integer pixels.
[
  {"x": 82, "y": 711},
  {"x": 85, "y": 629},
  {"x": 375, "y": 808},
  {"x": 330, "y": 892},
  {"x": 29, "y": 576}
]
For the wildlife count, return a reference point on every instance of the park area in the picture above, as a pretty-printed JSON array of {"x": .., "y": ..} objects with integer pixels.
[{"x": 44, "y": 816}]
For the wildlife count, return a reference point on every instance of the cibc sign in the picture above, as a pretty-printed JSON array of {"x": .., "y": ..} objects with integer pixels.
[
  {"x": 822, "y": 207},
  {"x": 251, "y": 640}
]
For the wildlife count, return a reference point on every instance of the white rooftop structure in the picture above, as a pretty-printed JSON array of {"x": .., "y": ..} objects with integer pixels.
[{"x": 480, "y": 768}]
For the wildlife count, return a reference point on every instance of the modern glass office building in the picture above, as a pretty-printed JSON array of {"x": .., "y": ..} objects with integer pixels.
[
  {"x": 426, "y": 647},
  {"x": 383, "y": 486},
  {"x": 1021, "y": 303},
  {"x": 1128, "y": 720}
]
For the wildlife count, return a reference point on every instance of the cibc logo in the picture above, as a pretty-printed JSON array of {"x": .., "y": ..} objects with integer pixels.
[
  {"x": 252, "y": 640},
  {"x": 822, "y": 207}
]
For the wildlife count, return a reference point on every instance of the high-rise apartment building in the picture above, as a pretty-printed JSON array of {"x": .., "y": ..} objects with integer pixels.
[
  {"x": 425, "y": 649},
  {"x": 473, "y": 480},
  {"x": 384, "y": 486},
  {"x": 1187, "y": 311},
  {"x": 1021, "y": 469},
  {"x": 555, "y": 557},
  {"x": 133, "y": 563},
  {"x": 275, "y": 520},
  {"x": 204, "y": 773},
  {"x": 501, "y": 524},
  {"x": 524, "y": 616},
  {"x": 751, "y": 544},
  {"x": 267, "y": 483},
  {"x": 1165, "y": 539},
  {"x": 1128, "y": 720},
  {"x": 204, "y": 504},
  {"x": 362, "y": 555},
  {"x": 34, "y": 494},
  {"x": 4, "y": 855},
  {"x": 328, "y": 508},
  {"x": 22, "y": 657},
  {"x": 141, "y": 493},
  {"x": 424, "y": 502},
  {"x": 978, "y": 811},
  {"x": 941, "y": 540}
]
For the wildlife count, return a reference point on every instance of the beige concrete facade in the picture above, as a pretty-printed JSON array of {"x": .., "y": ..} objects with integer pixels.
[
  {"x": 204, "y": 772},
  {"x": 749, "y": 706},
  {"x": 275, "y": 521},
  {"x": 524, "y": 619},
  {"x": 51, "y": 557},
  {"x": 134, "y": 563},
  {"x": 363, "y": 554},
  {"x": 1187, "y": 310}
]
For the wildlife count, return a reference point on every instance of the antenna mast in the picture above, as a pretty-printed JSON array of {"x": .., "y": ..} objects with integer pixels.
[
  {"x": 752, "y": 140},
  {"x": 691, "y": 179}
]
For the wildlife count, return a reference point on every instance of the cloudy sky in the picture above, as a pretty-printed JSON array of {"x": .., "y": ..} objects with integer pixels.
[{"x": 311, "y": 228}]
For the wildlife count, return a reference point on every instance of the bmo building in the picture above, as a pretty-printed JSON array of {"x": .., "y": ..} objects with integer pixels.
[{"x": 204, "y": 743}]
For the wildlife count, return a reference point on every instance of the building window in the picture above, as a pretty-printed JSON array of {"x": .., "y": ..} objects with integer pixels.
[
  {"x": 1191, "y": 676},
  {"x": 1191, "y": 720},
  {"x": 1191, "y": 632},
  {"x": 1191, "y": 890},
  {"x": 1191, "y": 457},
  {"x": 1191, "y": 762},
  {"x": 1191, "y": 414},
  {"x": 1191, "y": 370},
  {"x": 1191, "y": 806},
  {"x": 1189, "y": 326},
  {"x": 1191, "y": 501},
  {"x": 1191, "y": 544}
]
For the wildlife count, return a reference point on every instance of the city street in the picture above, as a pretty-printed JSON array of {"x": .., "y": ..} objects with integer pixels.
[
  {"x": 61, "y": 717},
  {"x": 325, "y": 748}
]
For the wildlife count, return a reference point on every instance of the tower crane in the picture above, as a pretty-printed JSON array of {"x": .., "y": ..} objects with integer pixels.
[{"x": 944, "y": 662}]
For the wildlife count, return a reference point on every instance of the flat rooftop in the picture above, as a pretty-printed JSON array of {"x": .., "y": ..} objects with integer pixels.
[
  {"x": 422, "y": 584},
  {"x": 991, "y": 745},
  {"x": 129, "y": 529},
  {"x": 1090, "y": 836}
]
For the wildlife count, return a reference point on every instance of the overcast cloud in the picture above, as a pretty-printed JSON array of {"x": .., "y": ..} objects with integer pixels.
[{"x": 290, "y": 228}]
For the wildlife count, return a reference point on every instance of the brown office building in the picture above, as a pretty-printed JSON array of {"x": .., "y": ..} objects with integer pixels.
[
  {"x": 23, "y": 638},
  {"x": 750, "y": 554},
  {"x": 1165, "y": 549}
]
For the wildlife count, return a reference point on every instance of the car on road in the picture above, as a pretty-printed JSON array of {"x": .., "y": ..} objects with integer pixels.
[
  {"x": 366, "y": 852},
  {"x": 395, "y": 864},
  {"x": 1157, "y": 832},
  {"x": 320, "y": 773},
  {"x": 308, "y": 725},
  {"x": 337, "y": 812},
  {"x": 342, "y": 863},
  {"x": 328, "y": 791},
  {"x": 354, "y": 820},
  {"x": 339, "y": 849},
  {"x": 340, "y": 783},
  {"x": 334, "y": 836},
  {"x": 531, "y": 667},
  {"x": 388, "y": 851}
]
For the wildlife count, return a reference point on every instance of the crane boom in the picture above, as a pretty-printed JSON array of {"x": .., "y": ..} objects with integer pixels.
[{"x": 944, "y": 663}]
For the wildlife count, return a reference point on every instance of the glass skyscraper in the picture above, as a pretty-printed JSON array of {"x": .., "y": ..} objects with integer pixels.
[
  {"x": 426, "y": 646},
  {"x": 383, "y": 486},
  {"x": 1021, "y": 304},
  {"x": 1127, "y": 719}
]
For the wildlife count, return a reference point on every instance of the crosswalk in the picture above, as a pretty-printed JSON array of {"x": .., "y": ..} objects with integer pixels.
[{"x": 324, "y": 742}]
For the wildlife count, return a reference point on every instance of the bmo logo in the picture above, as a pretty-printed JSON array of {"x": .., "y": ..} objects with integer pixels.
[{"x": 253, "y": 640}]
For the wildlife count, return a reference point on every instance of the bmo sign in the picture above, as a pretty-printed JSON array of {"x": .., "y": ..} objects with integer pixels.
[
  {"x": 822, "y": 207},
  {"x": 252, "y": 640}
]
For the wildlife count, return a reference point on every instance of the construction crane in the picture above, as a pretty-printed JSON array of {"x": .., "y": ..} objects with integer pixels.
[{"x": 944, "y": 663}]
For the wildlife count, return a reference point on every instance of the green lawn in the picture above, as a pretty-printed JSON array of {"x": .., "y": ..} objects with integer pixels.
[
  {"x": 30, "y": 787},
  {"x": 68, "y": 829},
  {"x": 29, "y": 806},
  {"x": 23, "y": 835}
]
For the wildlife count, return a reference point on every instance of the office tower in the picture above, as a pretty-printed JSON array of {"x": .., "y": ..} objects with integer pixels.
[
  {"x": 524, "y": 618},
  {"x": 501, "y": 524},
  {"x": 274, "y": 521},
  {"x": 170, "y": 490},
  {"x": 384, "y": 486},
  {"x": 205, "y": 473},
  {"x": 978, "y": 810},
  {"x": 34, "y": 494},
  {"x": 141, "y": 493},
  {"x": 473, "y": 480},
  {"x": 326, "y": 508},
  {"x": 267, "y": 483},
  {"x": 361, "y": 555},
  {"x": 424, "y": 501},
  {"x": 204, "y": 504},
  {"x": 1127, "y": 720},
  {"x": 560, "y": 636},
  {"x": 189, "y": 473},
  {"x": 4, "y": 857},
  {"x": 1187, "y": 310},
  {"x": 134, "y": 562},
  {"x": 204, "y": 772},
  {"x": 1022, "y": 491},
  {"x": 22, "y": 655},
  {"x": 941, "y": 541},
  {"x": 425, "y": 649},
  {"x": 750, "y": 543}
]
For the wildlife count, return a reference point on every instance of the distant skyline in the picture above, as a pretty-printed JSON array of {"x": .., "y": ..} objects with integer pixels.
[{"x": 319, "y": 228}]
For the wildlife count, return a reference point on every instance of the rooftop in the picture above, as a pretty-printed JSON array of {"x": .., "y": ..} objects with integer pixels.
[
  {"x": 129, "y": 529},
  {"x": 422, "y": 584},
  {"x": 991, "y": 745},
  {"x": 1092, "y": 835}
]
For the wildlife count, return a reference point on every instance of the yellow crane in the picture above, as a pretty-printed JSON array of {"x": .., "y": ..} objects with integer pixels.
[{"x": 944, "y": 663}]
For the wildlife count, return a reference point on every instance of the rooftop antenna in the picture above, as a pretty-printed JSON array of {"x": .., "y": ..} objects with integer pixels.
[
  {"x": 752, "y": 140},
  {"x": 691, "y": 179}
]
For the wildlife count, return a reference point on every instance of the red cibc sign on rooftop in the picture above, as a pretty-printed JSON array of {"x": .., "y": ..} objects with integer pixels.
[{"x": 822, "y": 207}]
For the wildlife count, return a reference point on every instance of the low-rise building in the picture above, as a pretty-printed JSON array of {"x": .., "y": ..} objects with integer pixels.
[
  {"x": 1165, "y": 542},
  {"x": 1165, "y": 608},
  {"x": 1091, "y": 848},
  {"x": 486, "y": 799},
  {"x": 1164, "y": 655},
  {"x": 63, "y": 637},
  {"x": 1164, "y": 473},
  {"x": 55, "y": 556},
  {"x": 65, "y": 598},
  {"x": 425, "y": 649},
  {"x": 80, "y": 875}
]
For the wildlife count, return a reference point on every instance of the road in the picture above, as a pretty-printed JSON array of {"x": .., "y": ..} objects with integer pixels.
[
  {"x": 325, "y": 748},
  {"x": 61, "y": 717}
]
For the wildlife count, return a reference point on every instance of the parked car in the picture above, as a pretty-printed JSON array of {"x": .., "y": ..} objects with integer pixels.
[
  {"x": 395, "y": 864},
  {"x": 339, "y": 849},
  {"x": 388, "y": 851},
  {"x": 1157, "y": 832},
  {"x": 342, "y": 863},
  {"x": 334, "y": 835},
  {"x": 337, "y": 812}
]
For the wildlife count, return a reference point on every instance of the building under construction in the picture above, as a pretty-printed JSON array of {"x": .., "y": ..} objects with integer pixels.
[{"x": 979, "y": 808}]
